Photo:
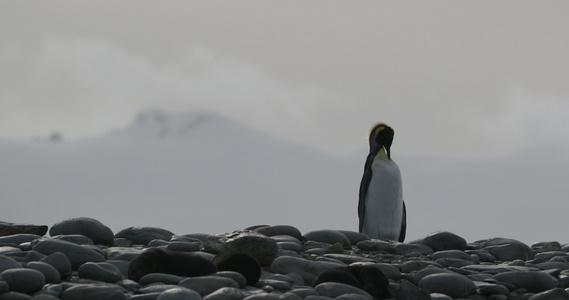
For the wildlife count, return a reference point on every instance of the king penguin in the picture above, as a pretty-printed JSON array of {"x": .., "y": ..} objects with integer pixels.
[{"x": 381, "y": 209}]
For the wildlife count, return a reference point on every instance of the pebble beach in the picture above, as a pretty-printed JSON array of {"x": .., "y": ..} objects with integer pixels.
[{"x": 81, "y": 258}]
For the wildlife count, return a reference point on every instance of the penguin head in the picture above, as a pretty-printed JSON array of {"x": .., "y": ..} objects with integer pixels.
[{"x": 381, "y": 136}]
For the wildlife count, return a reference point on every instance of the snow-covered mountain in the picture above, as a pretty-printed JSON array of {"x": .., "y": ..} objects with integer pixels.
[{"x": 201, "y": 172}]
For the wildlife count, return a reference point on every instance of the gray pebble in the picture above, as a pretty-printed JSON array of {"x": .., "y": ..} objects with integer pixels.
[
  {"x": 75, "y": 239},
  {"x": 60, "y": 262},
  {"x": 238, "y": 277},
  {"x": 443, "y": 240}
]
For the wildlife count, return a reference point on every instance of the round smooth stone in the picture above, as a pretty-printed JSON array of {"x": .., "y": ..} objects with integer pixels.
[
  {"x": 443, "y": 240},
  {"x": 23, "y": 280},
  {"x": 226, "y": 293},
  {"x": 336, "y": 289},
  {"x": 451, "y": 284},
  {"x": 77, "y": 254},
  {"x": 280, "y": 230},
  {"x": 89, "y": 227},
  {"x": 533, "y": 281},
  {"x": 60, "y": 262},
  {"x": 7, "y": 263},
  {"x": 143, "y": 235},
  {"x": 207, "y": 284},
  {"x": 238, "y": 277},
  {"x": 261, "y": 247},
  {"x": 508, "y": 249},
  {"x": 49, "y": 272},
  {"x": 179, "y": 293},
  {"x": 160, "y": 277},
  {"x": 102, "y": 271},
  {"x": 75, "y": 239},
  {"x": 94, "y": 292},
  {"x": 328, "y": 236},
  {"x": 183, "y": 246}
]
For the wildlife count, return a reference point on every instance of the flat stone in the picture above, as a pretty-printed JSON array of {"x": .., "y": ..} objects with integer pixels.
[
  {"x": 205, "y": 285},
  {"x": 122, "y": 253},
  {"x": 7, "y": 228},
  {"x": 443, "y": 240},
  {"x": 160, "y": 278},
  {"x": 143, "y": 235},
  {"x": 279, "y": 230},
  {"x": 178, "y": 294},
  {"x": 486, "y": 288},
  {"x": 348, "y": 259},
  {"x": 76, "y": 254},
  {"x": 451, "y": 254},
  {"x": 453, "y": 285},
  {"x": 18, "y": 238},
  {"x": 101, "y": 271},
  {"x": 89, "y": 227},
  {"x": 328, "y": 236},
  {"x": 533, "y": 281},
  {"x": 50, "y": 273},
  {"x": 22, "y": 280},
  {"x": 496, "y": 269},
  {"x": 336, "y": 289},
  {"x": 60, "y": 262},
  {"x": 94, "y": 292},
  {"x": 508, "y": 249}
]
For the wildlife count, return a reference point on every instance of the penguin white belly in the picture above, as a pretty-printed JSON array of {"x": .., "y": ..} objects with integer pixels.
[{"x": 384, "y": 201}]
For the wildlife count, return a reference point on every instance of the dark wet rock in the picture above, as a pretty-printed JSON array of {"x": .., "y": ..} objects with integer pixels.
[
  {"x": 328, "y": 236},
  {"x": 22, "y": 280},
  {"x": 507, "y": 249},
  {"x": 453, "y": 285},
  {"x": 76, "y": 254},
  {"x": 143, "y": 235},
  {"x": 442, "y": 240},
  {"x": 7, "y": 228},
  {"x": 89, "y": 227},
  {"x": 533, "y": 281},
  {"x": 280, "y": 230}
]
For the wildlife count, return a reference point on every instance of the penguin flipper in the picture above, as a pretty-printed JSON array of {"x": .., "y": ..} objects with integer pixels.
[
  {"x": 366, "y": 179},
  {"x": 403, "y": 224}
]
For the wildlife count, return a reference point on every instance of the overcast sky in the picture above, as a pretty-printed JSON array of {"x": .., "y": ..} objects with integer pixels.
[{"x": 455, "y": 78}]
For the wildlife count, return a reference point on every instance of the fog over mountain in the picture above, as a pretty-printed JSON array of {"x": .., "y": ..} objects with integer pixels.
[{"x": 201, "y": 172}]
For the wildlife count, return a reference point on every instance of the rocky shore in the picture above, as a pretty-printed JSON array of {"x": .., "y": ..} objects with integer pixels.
[{"x": 83, "y": 259}]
